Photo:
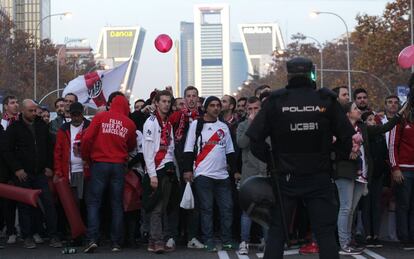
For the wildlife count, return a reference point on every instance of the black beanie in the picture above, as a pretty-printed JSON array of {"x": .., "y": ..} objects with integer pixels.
[{"x": 209, "y": 99}]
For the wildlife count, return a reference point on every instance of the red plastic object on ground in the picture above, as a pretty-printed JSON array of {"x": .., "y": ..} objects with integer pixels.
[
  {"x": 311, "y": 248},
  {"x": 71, "y": 208},
  {"x": 163, "y": 43},
  {"x": 24, "y": 195},
  {"x": 132, "y": 192}
]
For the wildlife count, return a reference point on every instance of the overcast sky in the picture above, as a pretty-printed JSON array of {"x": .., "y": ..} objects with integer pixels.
[{"x": 156, "y": 70}]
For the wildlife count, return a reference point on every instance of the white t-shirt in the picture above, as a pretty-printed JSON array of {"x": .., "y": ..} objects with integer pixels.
[
  {"x": 76, "y": 163},
  {"x": 4, "y": 123},
  {"x": 211, "y": 160},
  {"x": 387, "y": 134},
  {"x": 363, "y": 178},
  {"x": 137, "y": 150},
  {"x": 151, "y": 146}
]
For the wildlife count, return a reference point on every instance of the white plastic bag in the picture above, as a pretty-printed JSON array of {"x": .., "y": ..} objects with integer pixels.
[{"x": 187, "y": 202}]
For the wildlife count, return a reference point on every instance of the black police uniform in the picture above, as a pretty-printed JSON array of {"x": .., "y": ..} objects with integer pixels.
[{"x": 301, "y": 122}]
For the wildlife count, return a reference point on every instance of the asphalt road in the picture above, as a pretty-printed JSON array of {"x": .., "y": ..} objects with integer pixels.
[{"x": 390, "y": 251}]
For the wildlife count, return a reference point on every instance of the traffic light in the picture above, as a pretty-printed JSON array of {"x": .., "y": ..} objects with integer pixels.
[{"x": 314, "y": 76}]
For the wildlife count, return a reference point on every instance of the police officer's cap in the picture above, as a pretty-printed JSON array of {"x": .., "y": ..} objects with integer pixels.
[{"x": 299, "y": 65}]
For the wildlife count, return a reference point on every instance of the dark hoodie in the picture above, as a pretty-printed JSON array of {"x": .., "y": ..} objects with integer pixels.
[{"x": 111, "y": 135}]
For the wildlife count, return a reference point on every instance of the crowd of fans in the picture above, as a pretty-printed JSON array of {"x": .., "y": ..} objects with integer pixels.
[{"x": 168, "y": 142}]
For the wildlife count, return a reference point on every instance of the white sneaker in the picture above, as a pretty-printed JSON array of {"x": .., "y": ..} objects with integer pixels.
[
  {"x": 12, "y": 239},
  {"x": 194, "y": 243},
  {"x": 37, "y": 239},
  {"x": 170, "y": 245},
  {"x": 243, "y": 248}
]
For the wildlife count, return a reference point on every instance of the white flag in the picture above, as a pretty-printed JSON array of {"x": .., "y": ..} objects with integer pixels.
[{"x": 93, "y": 89}]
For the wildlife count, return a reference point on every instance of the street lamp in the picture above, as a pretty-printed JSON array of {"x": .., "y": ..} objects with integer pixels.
[
  {"x": 321, "y": 51},
  {"x": 66, "y": 14},
  {"x": 57, "y": 61},
  {"x": 315, "y": 14}
]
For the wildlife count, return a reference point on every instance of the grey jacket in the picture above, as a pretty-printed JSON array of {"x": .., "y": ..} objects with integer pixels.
[
  {"x": 250, "y": 164},
  {"x": 55, "y": 125}
]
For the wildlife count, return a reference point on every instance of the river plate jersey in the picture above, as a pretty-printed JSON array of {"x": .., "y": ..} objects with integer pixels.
[{"x": 210, "y": 159}]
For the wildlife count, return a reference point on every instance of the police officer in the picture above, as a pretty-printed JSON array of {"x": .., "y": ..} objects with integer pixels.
[{"x": 301, "y": 122}]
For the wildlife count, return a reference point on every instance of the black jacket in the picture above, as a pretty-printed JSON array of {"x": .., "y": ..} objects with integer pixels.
[
  {"x": 301, "y": 122},
  {"x": 28, "y": 152},
  {"x": 346, "y": 168},
  {"x": 379, "y": 155},
  {"x": 4, "y": 172}
]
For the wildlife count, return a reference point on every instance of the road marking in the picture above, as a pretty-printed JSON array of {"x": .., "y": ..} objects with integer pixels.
[
  {"x": 287, "y": 252},
  {"x": 223, "y": 255},
  {"x": 242, "y": 256},
  {"x": 373, "y": 254},
  {"x": 359, "y": 257},
  {"x": 291, "y": 252}
]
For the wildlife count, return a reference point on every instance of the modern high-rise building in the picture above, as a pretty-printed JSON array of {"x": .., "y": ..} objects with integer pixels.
[
  {"x": 3, "y": 15},
  {"x": 7, "y": 7},
  {"x": 260, "y": 40},
  {"x": 186, "y": 55},
  {"x": 212, "y": 49},
  {"x": 27, "y": 14},
  {"x": 121, "y": 44},
  {"x": 239, "y": 67}
]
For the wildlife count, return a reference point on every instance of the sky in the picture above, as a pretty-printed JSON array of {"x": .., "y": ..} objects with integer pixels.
[{"x": 156, "y": 70}]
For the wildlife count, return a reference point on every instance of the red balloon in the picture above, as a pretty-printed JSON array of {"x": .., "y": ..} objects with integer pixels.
[
  {"x": 163, "y": 43},
  {"x": 406, "y": 57}
]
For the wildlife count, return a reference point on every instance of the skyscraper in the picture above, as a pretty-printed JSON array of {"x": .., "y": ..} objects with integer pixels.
[
  {"x": 120, "y": 44},
  {"x": 7, "y": 7},
  {"x": 259, "y": 42},
  {"x": 239, "y": 68},
  {"x": 27, "y": 14},
  {"x": 212, "y": 49},
  {"x": 186, "y": 55}
]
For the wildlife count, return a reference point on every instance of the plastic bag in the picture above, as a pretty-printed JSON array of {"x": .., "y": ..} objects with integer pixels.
[{"x": 187, "y": 202}]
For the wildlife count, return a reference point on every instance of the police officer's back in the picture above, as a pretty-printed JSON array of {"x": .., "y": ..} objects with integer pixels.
[{"x": 301, "y": 122}]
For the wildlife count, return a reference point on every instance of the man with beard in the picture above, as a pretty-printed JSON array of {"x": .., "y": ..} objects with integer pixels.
[
  {"x": 361, "y": 100},
  {"x": 63, "y": 115},
  {"x": 180, "y": 121},
  {"x": 29, "y": 155},
  {"x": 343, "y": 94}
]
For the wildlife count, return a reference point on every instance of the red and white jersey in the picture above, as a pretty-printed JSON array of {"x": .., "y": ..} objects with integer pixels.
[
  {"x": 401, "y": 147},
  {"x": 155, "y": 154},
  {"x": 211, "y": 160}
]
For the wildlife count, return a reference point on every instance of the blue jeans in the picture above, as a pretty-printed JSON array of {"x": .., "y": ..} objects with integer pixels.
[
  {"x": 404, "y": 194},
  {"x": 207, "y": 190},
  {"x": 29, "y": 216},
  {"x": 246, "y": 224},
  {"x": 349, "y": 192},
  {"x": 102, "y": 175}
]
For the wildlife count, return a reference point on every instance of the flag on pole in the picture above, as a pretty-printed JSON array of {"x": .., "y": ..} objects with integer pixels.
[{"x": 94, "y": 88}]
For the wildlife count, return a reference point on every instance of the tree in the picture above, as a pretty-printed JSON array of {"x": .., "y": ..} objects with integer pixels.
[
  {"x": 16, "y": 64},
  {"x": 375, "y": 43},
  {"x": 380, "y": 39}
]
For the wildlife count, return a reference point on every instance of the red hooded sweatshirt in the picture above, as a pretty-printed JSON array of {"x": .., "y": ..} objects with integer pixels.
[{"x": 111, "y": 135}]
